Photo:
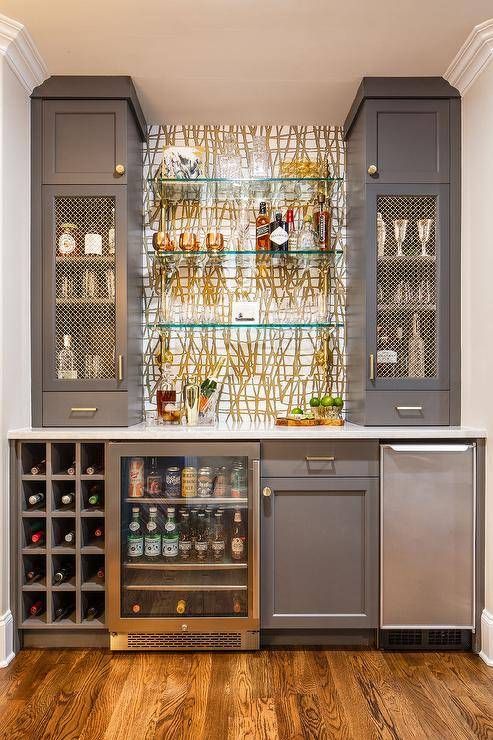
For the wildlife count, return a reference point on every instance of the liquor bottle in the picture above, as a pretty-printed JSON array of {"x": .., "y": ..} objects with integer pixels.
[
  {"x": 36, "y": 609},
  {"x": 307, "y": 237},
  {"x": 39, "y": 469},
  {"x": 94, "y": 469},
  {"x": 34, "y": 575},
  {"x": 321, "y": 219},
  {"x": 135, "y": 538},
  {"x": 168, "y": 411},
  {"x": 238, "y": 538},
  {"x": 201, "y": 542},
  {"x": 181, "y": 606},
  {"x": 218, "y": 538},
  {"x": 185, "y": 538},
  {"x": 170, "y": 536},
  {"x": 67, "y": 499},
  {"x": 152, "y": 539},
  {"x": 66, "y": 360},
  {"x": 100, "y": 573},
  {"x": 111, "y": 234},
  {"x": 61, "y": 613},
  {"x": 386, "y": 355},
  {"x": 279, "y": 235},
  {"x": 92, "y": 613},
  {"x": 71, "y": 469},
  {"x": 154, "y": 480},
  {"x": 63, "y": 574},
  {"x": 237, "y": 604},
  {"x": 262, "y": 229},
  {"x": 69, "y": 537},
  {"x": 37, "y": 533},
  {"x": 401, "y": 369},
  {"x": 416, "y": 351},
  {"x": 93, "y": 242},
  {"x": 292, "y": 231},
  {"x": 36, "y": 498},
  {"x": 66, "y": 240}
]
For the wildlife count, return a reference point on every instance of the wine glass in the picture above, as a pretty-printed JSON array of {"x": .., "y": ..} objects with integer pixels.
[
  {"x": 424, "y": 231},
  {"x": 400, "y": 228}
]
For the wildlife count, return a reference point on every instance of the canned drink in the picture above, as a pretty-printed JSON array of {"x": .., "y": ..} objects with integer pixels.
[
  {"x": 221, "y": 482},
  {"x": 172, "y": 482},
  {"x": 136, "y": 478},
  {"x": 205, "y": 482},
  {"x": 189, "y": 482}
]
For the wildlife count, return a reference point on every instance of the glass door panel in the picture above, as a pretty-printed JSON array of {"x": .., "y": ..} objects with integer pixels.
[{"x": 184, "y": 536}]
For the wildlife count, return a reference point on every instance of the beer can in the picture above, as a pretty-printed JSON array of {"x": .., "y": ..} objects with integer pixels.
[
  {"x": 205, "y": 482},
  {"x": 189, "y": 482},
  {"x": 136, "y": 478},
  {"x": 172, "y": 482}
]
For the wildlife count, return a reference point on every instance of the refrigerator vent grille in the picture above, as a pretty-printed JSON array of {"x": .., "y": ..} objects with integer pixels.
[
  {"x": 426, "y": 639},
  {"x": 204, "y": 640},
  {"x": 405, "y": 637},
  {"x": 445, "y": 637}
]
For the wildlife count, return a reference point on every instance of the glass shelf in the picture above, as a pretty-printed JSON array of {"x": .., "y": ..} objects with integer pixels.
[
  {"x": 240, "y": 253},
  {"x": 211, "y": 325},
  {"x": 240, "y": 180}
]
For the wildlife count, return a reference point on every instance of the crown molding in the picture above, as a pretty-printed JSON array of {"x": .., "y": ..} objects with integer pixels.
[
  {"x": 18, "y": 48},
  {"x": 474, "y": 55}
]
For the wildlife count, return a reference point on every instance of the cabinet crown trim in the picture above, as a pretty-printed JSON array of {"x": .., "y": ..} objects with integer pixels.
[
  {"x": 472, "y": 58},
  {"x": 21, "y": 54}
]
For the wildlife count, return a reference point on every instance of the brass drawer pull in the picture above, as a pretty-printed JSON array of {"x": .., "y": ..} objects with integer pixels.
[
  {"x": 322, "y": 458},
  {"x": 409, "y": 408},
  {"x": 91, "y": 409}
]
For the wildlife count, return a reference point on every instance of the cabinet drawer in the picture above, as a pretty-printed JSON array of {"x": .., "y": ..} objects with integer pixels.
[
  {"x": 407, "y": 408},
  {"x": 85, "y": 409},
  {"x": 350, "y": 459}
]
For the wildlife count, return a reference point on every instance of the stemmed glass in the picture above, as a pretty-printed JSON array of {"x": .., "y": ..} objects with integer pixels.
[
  {"x": 400, "y": 228},
  {"x": 424, "y": 231}
]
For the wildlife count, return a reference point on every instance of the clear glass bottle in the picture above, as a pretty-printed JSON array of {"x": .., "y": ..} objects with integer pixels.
[
  {"x": 416, "y": 367},
  {"x": 306, "y": 239},
  {"x": 66, "y": 360},
  {"x": 218, "y": 542},
  {"x": 185, "y": 538},
  {"x": 170, "y": 536},
  {"x": 135, "y": 538},
  {"x": 201, "y": 540},
  {"x": 93, "y": 242},
  {"x": 168, "y": 411},
  {"x": 111, "y": 234},
  {"x": 152, "y": 540},
  {"x": 260, "y": 157}
]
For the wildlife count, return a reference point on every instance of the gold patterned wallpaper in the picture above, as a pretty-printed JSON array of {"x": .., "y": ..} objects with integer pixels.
[{"x": 266, "y": 372}]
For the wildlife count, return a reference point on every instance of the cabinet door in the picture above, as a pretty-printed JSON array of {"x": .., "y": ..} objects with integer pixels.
[
  {"x": 84, "y": 141},
  {"x": 319, "y": 557},
  {"x": 84, "y": 288},
  {"x": 408, "y": 301},
  {"x": 408, "y": 140}
]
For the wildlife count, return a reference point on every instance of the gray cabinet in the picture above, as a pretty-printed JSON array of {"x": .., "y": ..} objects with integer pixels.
[
  {"x": 86, "y": 247},
  {"x": 403, "y": 315},
  {"x": 319, "y": 556}
]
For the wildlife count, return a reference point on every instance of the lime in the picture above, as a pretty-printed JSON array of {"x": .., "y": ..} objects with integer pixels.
[
  {"x": 297, "y": 410},
  {"x": 338, "y": 402},
  {"x": 314, "y": 402},
  {"x": 327, "y": 401}
]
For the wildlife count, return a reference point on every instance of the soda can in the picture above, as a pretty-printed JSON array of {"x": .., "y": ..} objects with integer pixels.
[
  {"x": 172, "y": 482},
  {"x": 136, "y": 478},
  {"x": 205, "y": 482},
  {"x": 189, "y": 482}
]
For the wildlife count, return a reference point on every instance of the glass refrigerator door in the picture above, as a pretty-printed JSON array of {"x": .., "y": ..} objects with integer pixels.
[{"x": 185, "y": 534}]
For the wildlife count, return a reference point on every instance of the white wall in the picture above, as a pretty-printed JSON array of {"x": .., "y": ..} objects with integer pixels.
[{"x": 15, "y": 390}]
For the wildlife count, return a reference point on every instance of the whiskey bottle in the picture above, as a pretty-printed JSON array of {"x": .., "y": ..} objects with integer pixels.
[
  {"x": 166, "y": 397},
  {"x": 386, "y": 355},
  {"x": 262, "y": 229},
  {"x": 238, "y": 538},
  {"x": 36, "y": 498},
  {"x": 152, "y": 539},
  {"x": 66, "y": 360},
  {"x": 279, "y": 235},
  {"x": 39, "y": 469},
  {"x": 135, "y": 538}
]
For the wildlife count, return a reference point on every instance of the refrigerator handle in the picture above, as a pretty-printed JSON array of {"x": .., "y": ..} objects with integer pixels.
[
  {"x": 256, "y": 539},
  {"x": 430, "y": 447}
]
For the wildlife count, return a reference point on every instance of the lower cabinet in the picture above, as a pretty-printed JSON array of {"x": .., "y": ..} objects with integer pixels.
[{"x": 319, "y": 556}]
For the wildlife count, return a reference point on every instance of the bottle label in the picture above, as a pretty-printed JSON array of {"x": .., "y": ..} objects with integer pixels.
[
  {"x": 93, "y": 244},
  {"x": 136, "y": 547},
  {"x": 279, "y": 236},
  {"x": 184, "y": 548},
  {"x": 218, "y": 547},
  {"x": 263, "y": 230},
  {"x": 151, "y": 525},
  {"x": 153, "y": 547},
  {"x": 154, "y": 485},
  {"x": 66, "y": 244},
  {"x": 170, "y": 526},
  {"x": 133, "y": 526},
  {"x": 387, "y": 356},
  {"x": 170, "y": 548},
  {"x": 237, "y": 546},
  {"x": 201, "y": 546}
]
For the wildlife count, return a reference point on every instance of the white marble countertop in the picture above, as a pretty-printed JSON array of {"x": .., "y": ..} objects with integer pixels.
[{"x": 246, "y": 430}]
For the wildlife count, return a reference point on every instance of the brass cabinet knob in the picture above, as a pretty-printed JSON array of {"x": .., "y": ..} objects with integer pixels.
[
  {"x": 372, "y": 169},
  {"x": 120, "y": 169},
  {"x": 267, "y": 491}
]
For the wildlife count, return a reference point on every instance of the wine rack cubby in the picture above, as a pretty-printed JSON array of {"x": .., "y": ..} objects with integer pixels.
[{"x": 76, "y": 601}]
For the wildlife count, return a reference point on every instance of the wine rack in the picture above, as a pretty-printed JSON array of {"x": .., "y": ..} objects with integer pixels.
[{"x": 63, "y": 475}]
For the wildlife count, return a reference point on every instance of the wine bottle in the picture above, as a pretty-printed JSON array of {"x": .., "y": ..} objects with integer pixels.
[
  {"x": 37, "y": 533},
  {"x": 92, "y": 612},
  {"x": 63, "y": 574},
  {"x": 100, "y": 573},
  {"x": 70, "y": 537},
  {"x": 98, "y": 532},
  {"x": 37, "y": 608},
  {"x": 93, "y": 499},
  {"x": 36, "y": 498},
  {"x": 34, "y": 575},
  {"x": 71, "y": 469},
  {"x": 62, "y": 612},
  {"x": 68, "y": 498},
  {"x": 94, "y": 469},
  {"x": 135, "y": 608},
  {"x": 237, "y": 605},
  {"x": 181, "y": 606},
  {"x": 39, "y": 469}
]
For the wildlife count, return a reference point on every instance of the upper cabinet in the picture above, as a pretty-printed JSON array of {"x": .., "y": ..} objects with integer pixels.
[{"x": 407, "y": 141}]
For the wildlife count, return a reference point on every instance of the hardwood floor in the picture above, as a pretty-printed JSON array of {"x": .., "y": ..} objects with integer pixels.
[{"x": 271, "y": 695}]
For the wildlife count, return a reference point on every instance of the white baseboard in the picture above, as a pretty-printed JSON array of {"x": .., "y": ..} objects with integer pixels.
[
  {"x": 486, "y": 653},
  {"x": 6, "y": 639}
]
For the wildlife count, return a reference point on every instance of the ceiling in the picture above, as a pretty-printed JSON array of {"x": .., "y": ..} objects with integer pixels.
[{"x": 248, "y": 61}]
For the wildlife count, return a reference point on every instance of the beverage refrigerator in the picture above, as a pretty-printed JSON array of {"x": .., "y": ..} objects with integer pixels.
[{"x": 183, "y": 545}]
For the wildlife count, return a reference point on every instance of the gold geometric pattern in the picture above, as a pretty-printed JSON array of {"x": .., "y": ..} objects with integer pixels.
[{"x": 267, "y": 371}]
